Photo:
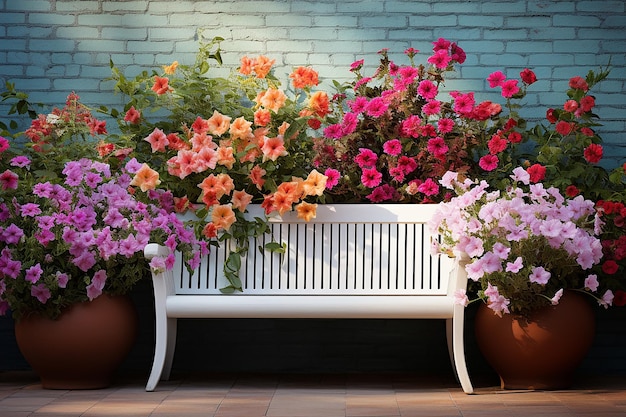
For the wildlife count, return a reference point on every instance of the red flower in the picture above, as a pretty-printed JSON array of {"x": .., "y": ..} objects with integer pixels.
[
  {"x": 528, "y": 76},
  {"x": 578, "y": 83},
  {"x": 593, "y": 153},
  {"x": 620, "y": 298},
  {"x": 564, "y": 128},
  {"x": 551, "y": 116},
  {"x": 537, "y": 173},
  {"x": 572, "y": 191},
  {"x": 610, "y": 267}
]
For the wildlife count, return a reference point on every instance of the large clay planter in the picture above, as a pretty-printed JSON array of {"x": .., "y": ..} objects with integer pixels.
[
  {"x": 83, "y": 348},
  {"x": 541, "y": 352}
]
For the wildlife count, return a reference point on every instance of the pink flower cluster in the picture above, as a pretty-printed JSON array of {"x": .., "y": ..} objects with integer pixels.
[
  {"x": 520, "y": 232},
  {"x": 71, "y": 234}
]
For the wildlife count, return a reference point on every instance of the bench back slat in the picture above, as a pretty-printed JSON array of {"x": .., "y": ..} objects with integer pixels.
[{"x": 342, "y": 251}]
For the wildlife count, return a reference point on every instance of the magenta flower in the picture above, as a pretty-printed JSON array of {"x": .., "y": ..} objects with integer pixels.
[
  {"x": 376, "y": 107},
  {"x": 20, "y": 161},
  {"x": 12, "y": 234},
  {"x": 392, "y": 147},
  {"x": 332, "y": 178},
  {"x": 371, "y": 177},
  {"x": 440, "y": 59},
  {"x": 41, "y": 293},
  {"x": 366, "y": 158},
  {"x": 33, "y": 273},
  {"x": 8, "y": 180}
]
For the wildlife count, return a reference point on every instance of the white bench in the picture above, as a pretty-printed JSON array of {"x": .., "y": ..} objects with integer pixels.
[{"x": 351, "y": 261}]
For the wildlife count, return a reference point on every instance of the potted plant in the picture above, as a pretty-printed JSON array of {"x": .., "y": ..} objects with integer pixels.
[
  {"x": 530, "y": 250},
  {"x": 73, "y": 234}
]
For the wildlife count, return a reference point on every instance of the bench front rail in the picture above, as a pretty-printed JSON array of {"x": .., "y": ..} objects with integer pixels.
[{"x": 351, "y": 261}]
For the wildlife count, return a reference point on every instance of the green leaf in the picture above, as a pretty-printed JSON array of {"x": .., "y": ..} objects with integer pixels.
[{"x": 276, "y": 247}]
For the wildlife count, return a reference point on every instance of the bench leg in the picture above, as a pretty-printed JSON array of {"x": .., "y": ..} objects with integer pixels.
[
  {"x": 163, "y": 351},
  {"x": 456, "y": 348}
]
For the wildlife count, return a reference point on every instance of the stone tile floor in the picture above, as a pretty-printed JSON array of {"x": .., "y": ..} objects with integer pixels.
[{"x": 289, "y": 395}]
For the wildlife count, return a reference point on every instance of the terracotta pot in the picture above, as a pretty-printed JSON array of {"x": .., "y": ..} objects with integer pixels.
[
  {"x": 83, "y": 348},
  {"x": 541, "y": 352}
]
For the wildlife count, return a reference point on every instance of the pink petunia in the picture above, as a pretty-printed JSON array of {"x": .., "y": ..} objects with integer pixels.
[
  {"x": 332, "y": 178},
  {"x": 392, "y": 147},
  {"x": 539, "y": 275},
  {"x": 496, "y": 79},
  {"x": 8, "y": 180},
  {"x": 488, "y": 162},
  {"x": 509, "y": 88},
  {"x": 371, "y": 177},
  {"x": 41, "y": 293}
]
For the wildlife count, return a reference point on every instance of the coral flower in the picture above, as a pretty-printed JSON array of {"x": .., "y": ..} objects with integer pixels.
[
  {"x": 223, "y": 216},
  {"x": 273, "y": 99},
  {"x": 256, "y": 176},
  {"x": 306, "y": 211},
  {"x": 241, "y": 199},
  {"x": 161, "y": 85},
  {"x": 273, "y": 148},
  {"x": 225, "y": 156},
  {"x": 218, "y": 124},
  {"x": 246, "y": 65},
  {"x": 157, "y": 140},
  {"x": 262, "y": 117},
  {"x": 146, "y": 178},
  {"x": 304, "y": 77},
  {"x": 132, "y": 115},
  {"x": 262, "y": 66}
]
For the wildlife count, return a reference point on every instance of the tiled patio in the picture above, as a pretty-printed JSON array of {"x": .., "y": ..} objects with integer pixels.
[{"x": 287, "y": 395}]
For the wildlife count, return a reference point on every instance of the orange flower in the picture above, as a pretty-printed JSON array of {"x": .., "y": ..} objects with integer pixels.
[
  {"x": 241, "y": 199},
  {"x": 319, "y": 103},
  {"x": 273, "y": 148},
  {"x": 246, "y": 65},
  {"x": 225, "y": 156},
  {"x": 132, "y": 115},
  {"x": 273, "y": 99},
  {"x": 157, "y": 140},
  {"x": 161, "y": 85},
  {"x": 218, "y": 123},
  {"x": 256, "y": 176},
  {"x": 146, "y": 178},
  {"x": 268, "y": 203},
  {"x": 304, "y": 77},
  {"x": 240, "y": 128},
  {"x": 283, "y": 128},
  {"x": 170, "y": 69},
  {"x": 315, "y": 183},
  {"x": 262, "y": 117},
  {"x": 306, "y": 211},
  {"x": 211, "y": 186},
  {"x": 282, "y": 202},
  {"x": 262, "y": 66},
  {"x": 293, "y": 189},
  {"x": 223, "y": 216},
  {"x": 226, "y": 182}
]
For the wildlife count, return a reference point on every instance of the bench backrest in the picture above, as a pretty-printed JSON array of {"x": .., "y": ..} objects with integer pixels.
[{"x": 347, "y": 249}]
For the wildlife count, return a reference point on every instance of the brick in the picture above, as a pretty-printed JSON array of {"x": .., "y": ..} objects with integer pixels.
[
  {"x": 528, "y": 21},
  {"x": 550, "y": 7},
  {"x": 458, "y": 7},
  {"x": 614, "y": 6},
  {"x": 317, "y": 7},
  {"x": 531, "y": 47},
  {"x": 51, "y": 45},
  {"x": 409, "y": 7},
  {"x": 12, "y": 17},
  {"x": 171, "y": 33},
  {"x": 78, "y": 32},
  {"x": 576, "y": 21},
  {"x": 78, "y": 6},
  {"x": 424, "y": 21},
  {"x": 127, "y": 6},
  {"x": 54, "y": 19},
  {"x": 392, "y": 21},
  {"x": 124, "y": 33},
  {"x": 360, "y": 7},
  {"x": 335, "y": 21},
  {"x": 27, "y": 6}
]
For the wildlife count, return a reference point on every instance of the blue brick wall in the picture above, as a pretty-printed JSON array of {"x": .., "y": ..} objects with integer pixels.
[{"x": 50, "y": 47}]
